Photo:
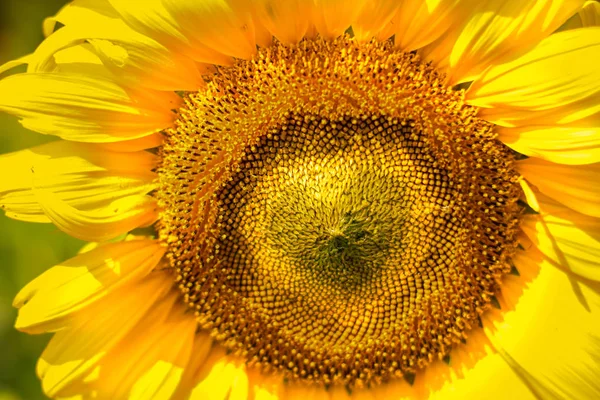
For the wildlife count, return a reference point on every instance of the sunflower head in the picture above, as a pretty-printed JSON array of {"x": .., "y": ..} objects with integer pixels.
[
  {"x": 317, "y": 216},
  {"x": 337, "y": 198}
]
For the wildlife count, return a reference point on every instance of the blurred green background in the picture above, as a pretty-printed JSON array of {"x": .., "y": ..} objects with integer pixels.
[{"x": 25, "y": 249}]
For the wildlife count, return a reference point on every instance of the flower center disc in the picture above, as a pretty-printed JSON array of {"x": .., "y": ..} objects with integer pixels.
[{"x": 334, "y": 212}]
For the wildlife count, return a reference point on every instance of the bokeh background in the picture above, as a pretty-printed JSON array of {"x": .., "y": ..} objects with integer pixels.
[{"x": 25, "y": 249}]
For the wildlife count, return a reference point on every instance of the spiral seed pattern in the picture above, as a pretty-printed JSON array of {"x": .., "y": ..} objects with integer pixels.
[{"x": 334, "y": 212}]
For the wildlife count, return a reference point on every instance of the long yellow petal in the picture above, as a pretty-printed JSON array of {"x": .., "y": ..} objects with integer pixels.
[
  {"x": 288, "y": 21},
  {"x": 47, "y": 302},
  {"x": 584, "y": 114},
  {"x": 152, "y": 20},
  {"x": 569, "y": 239},
  {"x": 79, "y": 60},
  {"x": 134, "y": 145},
  {"x": 240, "y": 386},
  {"x": 265, "y": 386},
  {"x": 589, "y": 15},
  {"x": 86, "y": 9},
  {"x": 418, "y": 23},
  {"x": 180, "y": 26},
  {"x": 82, "y": 175},
  {"x": 490, "y": 378},
  {"x": 498, "y": 31},
  {"x": 474, "y": 371},
  {"x": 202, "y": 348},
  {"x": 577, "y": 187},
  {"x": 262, "y": 394},
  {"x": 15, "y": 63},
  {"x": 103, "y": 223},
  {"x": 375, "y": 17},
  {"x": 550, "y": 336},
  {"x": 217, "y": 376},
  {"x": 85, "y": 109},
  {"x": 73, "y": 353},
  {"x": 529, "y": 194},
  {"x": 559, "y": 144},
  {"x": 222, "y": 25},
  {"x": 57, "y": 56},
  {"x": 150, "y": 361},
  {"x": 333, "y": 17},
  {"x": 132, "y": 58},
  {"x": 558, "y": 80}
]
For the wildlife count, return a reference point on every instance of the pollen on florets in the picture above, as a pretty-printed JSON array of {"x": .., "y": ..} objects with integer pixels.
[{"x": 335, "y": 212}]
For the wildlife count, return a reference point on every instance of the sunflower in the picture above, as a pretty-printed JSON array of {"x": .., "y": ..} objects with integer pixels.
[{"x": 314, "y": 198}]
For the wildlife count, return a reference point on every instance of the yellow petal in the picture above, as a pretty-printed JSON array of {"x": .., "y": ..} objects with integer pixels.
[
  {"x": 46, "y": 303},
  {"x": 333, "y": 17},
  {"x": 239, "y": 386},
  {"x": 263, "y": 37},
  {"x": 559, "y": 144},
  {"x": 577, "y": 187},
  {"x": 217, "y": 376},
  {"x": 261, "y": 394},
  {"x": 338, "y": 393},
  {"x": 222, "y": 25},
  {"x": 557, "y": 79},
  {"x": 529, "y": 194},
  {"x": 85, "y": 10},
  {"x": 265, "y": 386},
  {"x": 74, "y": 352},
  {"x": 374, "y": 17},
  {"x": 132, "y": 58},
  {"x": 202, "y": 347},
  {"x": 288, "y": 21},
  {"x": 150, "y": 361},
  {"x": 490, "y": 378},
  {"x": 418, "y": 23},
  {"x": 475, "y": 371},
  {"x": 79, "y": 60},
  {"x": 14, "y": 63},
  {"x": 498, "y": 31},
  {"x": 82, "y": 59},
  {"x": 148, "y": 64},
  {"x": 583, "y": 114},
  {"x": 82, "y": 175},
  {"x": 152, "y": 20},
  {"x": 551, "y": 336},
  {"x": 134, "y": 145},
  {"x": 589, "y": 15},
  {"x": 569, "y": 239},
  {"x": 182, "y": 27},
  {"x": 117, "y": 218},
  {"x": 60, "y": 54},
  {"x": 85, "y": 109}
]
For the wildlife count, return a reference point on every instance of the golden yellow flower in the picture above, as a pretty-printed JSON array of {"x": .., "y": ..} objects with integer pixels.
[{"x": 307, "y": 199}]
